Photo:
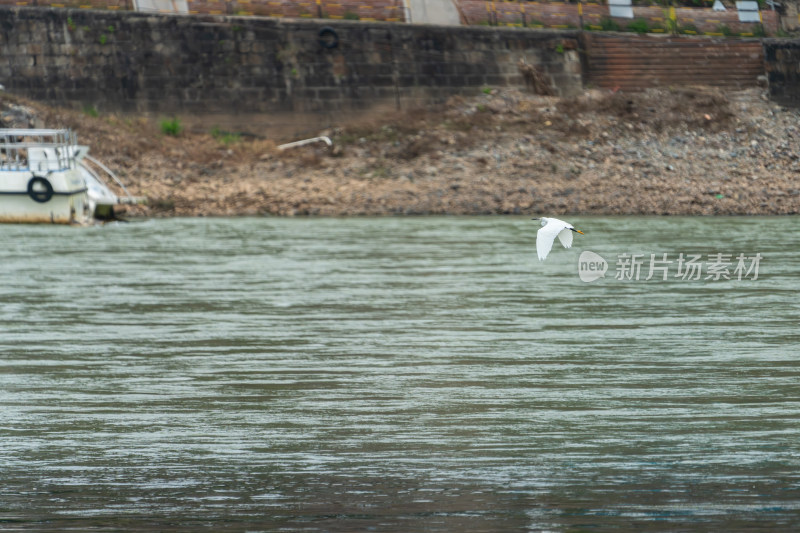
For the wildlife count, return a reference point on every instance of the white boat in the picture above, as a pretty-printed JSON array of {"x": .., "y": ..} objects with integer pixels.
[{"x": 47, "y": 177}]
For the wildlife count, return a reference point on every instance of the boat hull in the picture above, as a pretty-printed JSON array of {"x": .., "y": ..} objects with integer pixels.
[
  {"x": 44, "y": 178},
  {"x": 51, "y": 198}
]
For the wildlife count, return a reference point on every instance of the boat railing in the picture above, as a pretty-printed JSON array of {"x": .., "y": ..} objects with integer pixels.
[
  {"x": 93, "y": 167},
  {"x": 37, "y": 150}
]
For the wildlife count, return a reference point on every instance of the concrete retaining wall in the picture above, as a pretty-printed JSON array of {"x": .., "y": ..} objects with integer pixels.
[{"x": 202, "y": 65}]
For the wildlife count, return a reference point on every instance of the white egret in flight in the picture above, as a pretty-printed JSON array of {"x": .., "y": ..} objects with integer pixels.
[{"x": 552, "y": 227}]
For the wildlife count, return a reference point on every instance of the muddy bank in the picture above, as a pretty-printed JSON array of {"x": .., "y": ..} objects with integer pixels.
[{"x": 681, "y": 151}]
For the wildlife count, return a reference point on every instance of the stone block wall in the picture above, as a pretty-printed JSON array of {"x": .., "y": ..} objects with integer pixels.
[
  {"x": 148, "y": 63},
  {"x": 782, "y": 58}
]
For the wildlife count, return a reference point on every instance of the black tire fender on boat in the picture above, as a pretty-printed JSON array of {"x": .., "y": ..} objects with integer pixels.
[
  {"x": 41, "y": 194},
  {"x": 328, "y": 38}
]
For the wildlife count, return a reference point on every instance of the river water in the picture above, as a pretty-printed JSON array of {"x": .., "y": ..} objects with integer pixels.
[{"x": 399, "y": 374}]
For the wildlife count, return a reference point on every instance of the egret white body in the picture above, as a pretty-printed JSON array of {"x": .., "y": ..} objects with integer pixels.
[{"x": 552, "y": 228}]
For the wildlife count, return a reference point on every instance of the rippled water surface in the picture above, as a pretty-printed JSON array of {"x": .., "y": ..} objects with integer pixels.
[{"x": 396, "y": 374}]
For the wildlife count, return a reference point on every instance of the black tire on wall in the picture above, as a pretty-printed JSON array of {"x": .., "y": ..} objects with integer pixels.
[{"x": 328, "y": 38}]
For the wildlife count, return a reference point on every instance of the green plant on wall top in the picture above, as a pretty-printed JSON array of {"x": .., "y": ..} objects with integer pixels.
[
  {"x": 670, "y": 24},
  {"x": 724, "y": 30},
  {"x": 608, "y": 24},
  {"x": 639, "y": 26}
]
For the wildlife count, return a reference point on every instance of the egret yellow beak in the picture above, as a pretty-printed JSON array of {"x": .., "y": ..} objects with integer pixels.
[{"x": 579, "y": 231}]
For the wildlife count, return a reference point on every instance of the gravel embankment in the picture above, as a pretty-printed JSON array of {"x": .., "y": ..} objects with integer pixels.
[{"x": 680, "y": 151}]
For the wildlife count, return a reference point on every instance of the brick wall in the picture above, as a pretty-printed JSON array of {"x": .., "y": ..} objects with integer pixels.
[
  {"x": 566, "y": 15},
  {"x": 474, "y": 12},
  {"x": 371, "y": 10},
  {"x": 367, "y": 10},
  {"x": 632, "y": 62}
]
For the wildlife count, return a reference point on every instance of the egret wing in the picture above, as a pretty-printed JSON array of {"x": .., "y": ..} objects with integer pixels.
[
  {"x": 544, "y": 239},
  {"x": 565, "y": 236}
]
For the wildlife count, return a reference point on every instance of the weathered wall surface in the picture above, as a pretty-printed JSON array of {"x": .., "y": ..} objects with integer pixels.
[
  {"x": 790, "y": 20},
  {"x": 782, "y": 59},
  {"x": 249, "y": 66}
]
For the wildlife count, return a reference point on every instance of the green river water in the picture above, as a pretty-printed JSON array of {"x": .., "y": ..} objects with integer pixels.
[{"x": 399, "y": 375}]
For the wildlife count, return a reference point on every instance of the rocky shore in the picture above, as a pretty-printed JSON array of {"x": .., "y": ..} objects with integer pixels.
[{"x": 697, "y": 151}]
